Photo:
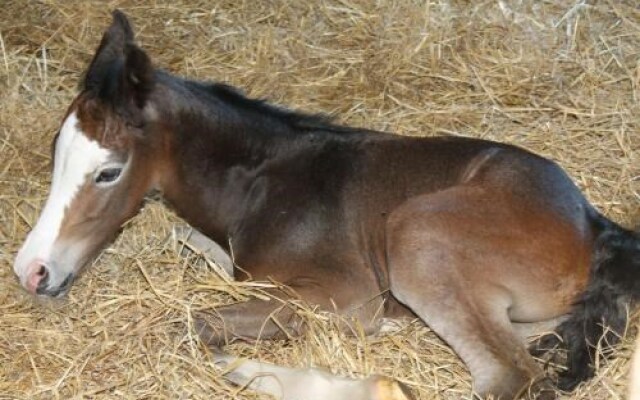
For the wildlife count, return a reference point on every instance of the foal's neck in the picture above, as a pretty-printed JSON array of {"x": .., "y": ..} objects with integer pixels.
[{"x": 219, "y": 145}]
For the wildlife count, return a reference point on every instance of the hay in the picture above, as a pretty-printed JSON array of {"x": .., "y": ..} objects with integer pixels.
[{"x": 558, "y": 77}]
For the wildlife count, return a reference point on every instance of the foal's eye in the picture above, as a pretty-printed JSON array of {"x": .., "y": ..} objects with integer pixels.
[{"x": 108, "y": 175}]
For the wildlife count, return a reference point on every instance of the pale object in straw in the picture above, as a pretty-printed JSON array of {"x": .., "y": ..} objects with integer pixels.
[
  {"x": 634, "y": 373},
  {"x": 307, "y": 383}
]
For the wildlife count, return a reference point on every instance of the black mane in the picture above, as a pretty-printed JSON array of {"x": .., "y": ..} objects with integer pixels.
[
  {"x": 237, "y": 98},
  {"x": 296, "y": 120}
]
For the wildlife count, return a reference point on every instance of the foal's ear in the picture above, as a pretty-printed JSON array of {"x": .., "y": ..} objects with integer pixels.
[
  {"x": 137, "y": 75},
  {"x": 110, "y": 51},
  {"x": 121, "y": 73}
]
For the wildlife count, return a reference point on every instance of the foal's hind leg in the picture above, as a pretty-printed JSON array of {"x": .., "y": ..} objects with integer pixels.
[
  {"x": 481, "y": 334},
  {"x": 475, "y": 325},
  {"x": 450, "y": 261}
]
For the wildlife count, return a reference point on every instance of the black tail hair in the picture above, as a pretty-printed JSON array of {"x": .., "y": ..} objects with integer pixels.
[{"x": 599, "y": 316}]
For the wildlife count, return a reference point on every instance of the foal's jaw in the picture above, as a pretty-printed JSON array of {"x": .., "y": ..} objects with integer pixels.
[{"x": 48, "y": 262}]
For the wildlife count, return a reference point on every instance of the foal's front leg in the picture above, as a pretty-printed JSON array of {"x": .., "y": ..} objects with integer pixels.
[
  {"x": 278, "y": 316},
  {"x": 253, "y": 319},
  {"x": 250, "y": 320}
]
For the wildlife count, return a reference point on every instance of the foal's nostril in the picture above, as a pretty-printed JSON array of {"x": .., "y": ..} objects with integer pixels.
[
  {"x": 37, "y": 276},
  {"x": 43, "y": 273}
]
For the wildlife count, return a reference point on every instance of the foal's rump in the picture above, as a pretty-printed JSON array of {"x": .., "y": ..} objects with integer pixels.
[{"x": 611, "y": 256}]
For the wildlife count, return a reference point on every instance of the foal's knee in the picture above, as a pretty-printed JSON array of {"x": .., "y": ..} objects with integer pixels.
[{"x": 210, "y": 333}]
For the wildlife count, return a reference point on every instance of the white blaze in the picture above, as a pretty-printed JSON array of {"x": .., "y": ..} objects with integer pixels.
[{"x": 76, "y": 159}]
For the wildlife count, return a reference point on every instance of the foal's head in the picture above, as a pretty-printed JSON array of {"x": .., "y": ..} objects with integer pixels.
[{"x": 103, "y": 164}]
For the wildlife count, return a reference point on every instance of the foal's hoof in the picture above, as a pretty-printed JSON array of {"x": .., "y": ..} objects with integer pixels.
[
  {"x": 211, "y": 333},
  {"x": 542, "y": 390}
]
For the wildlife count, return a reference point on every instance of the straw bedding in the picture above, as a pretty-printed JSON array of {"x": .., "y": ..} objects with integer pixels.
[{"x": 557, "y": 77}]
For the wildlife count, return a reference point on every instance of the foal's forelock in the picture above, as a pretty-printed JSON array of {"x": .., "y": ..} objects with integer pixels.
[{"x": 76, "y": 159}]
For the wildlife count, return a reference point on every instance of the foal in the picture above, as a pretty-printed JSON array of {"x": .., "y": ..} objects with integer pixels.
[{"x": 471, "y": 236}]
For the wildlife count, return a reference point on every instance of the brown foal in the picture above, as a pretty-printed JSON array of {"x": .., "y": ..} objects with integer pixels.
[{"x": 471, "y": 236}]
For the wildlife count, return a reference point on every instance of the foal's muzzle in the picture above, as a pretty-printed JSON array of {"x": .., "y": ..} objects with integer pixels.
[{"x": 38, "y": 280}]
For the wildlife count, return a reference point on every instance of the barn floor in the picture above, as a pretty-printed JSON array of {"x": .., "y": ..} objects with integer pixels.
[{"x": 561, "y": 78}]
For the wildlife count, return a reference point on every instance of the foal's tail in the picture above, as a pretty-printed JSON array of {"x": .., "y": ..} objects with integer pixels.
[
  {"x": 599, "y": 316},
  {"x": 306, "y": 383}
]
